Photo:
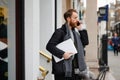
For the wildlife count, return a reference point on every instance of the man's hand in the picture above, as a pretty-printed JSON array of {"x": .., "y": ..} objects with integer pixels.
[
  {"x": 67, "y": 55},
  {"x": 82, "y": 26},
  {"x": 79, "y": 27}
]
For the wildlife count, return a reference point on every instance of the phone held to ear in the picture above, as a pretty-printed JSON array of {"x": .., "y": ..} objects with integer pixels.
[{"x": 78, "y": 23}]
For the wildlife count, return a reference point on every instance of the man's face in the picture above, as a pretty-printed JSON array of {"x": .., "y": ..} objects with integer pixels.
[
  {"x": 115, "y": 34},
  {"x": 73, "y": 20}
]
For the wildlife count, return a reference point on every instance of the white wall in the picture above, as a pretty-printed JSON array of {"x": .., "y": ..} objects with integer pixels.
[
  {"x": 47, "y": 27},
  {"x": 32, "y": 39},
  {"x": 46, "y": 21},
  {"x": 11, "y": 41},
  {"x": 59, "y": 13},
  {"x": 36, "y": 38}
]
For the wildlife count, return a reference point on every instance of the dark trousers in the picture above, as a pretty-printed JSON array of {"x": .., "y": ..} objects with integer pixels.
[
  {"x": 62, "y": 77},
  {"x": 115, "y": 50},
  {"x": 3, "y": 70}
]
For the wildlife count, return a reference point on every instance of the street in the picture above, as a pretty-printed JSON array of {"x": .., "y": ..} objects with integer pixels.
[{"x": 114, "y": 64}]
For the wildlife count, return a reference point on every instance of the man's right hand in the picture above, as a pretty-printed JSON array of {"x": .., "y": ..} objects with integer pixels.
[{"x": 67, "y": 55}]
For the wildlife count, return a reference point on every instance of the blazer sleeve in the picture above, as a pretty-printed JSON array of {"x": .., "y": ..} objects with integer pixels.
[
  {"x": 55, "y": 39},
  {"x": 84, "y": 37}
]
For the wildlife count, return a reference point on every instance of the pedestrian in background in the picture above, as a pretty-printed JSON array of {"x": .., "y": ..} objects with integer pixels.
[{"x": 115, "y": 43}]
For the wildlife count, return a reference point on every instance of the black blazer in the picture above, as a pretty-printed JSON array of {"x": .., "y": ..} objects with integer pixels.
[{"x": 58, "y": 37}]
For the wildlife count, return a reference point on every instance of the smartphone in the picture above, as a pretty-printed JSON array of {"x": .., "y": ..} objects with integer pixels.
[{"x": 78, "y": 23}]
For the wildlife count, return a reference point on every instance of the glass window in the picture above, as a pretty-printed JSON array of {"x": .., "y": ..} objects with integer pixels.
[{"x": 3, "y": 43}]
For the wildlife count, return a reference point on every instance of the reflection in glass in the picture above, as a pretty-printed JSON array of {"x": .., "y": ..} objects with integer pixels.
[{"x": 3, "y": 44}]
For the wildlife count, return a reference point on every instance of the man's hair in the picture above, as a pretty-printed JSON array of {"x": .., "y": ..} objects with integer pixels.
[{"x": 69, "y": 13}]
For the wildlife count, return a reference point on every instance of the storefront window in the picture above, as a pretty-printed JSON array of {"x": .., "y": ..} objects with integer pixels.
[{"x": 3, "y": 42}]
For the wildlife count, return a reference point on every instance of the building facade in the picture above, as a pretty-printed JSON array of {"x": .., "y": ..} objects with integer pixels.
[
  {"x": 117, "y": 17},
  {"x": 41, "y": 18}
]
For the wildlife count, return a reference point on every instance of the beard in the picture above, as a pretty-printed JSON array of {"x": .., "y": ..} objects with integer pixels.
[{"x": 72, "y": 24}]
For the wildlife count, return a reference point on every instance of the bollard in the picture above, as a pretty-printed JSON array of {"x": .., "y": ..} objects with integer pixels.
[{"x": 104, "y": 53}]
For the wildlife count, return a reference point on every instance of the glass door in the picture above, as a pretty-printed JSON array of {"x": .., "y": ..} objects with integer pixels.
[
  {"x": 3, "y": 40},
  {"x": 12, "y": 40}
]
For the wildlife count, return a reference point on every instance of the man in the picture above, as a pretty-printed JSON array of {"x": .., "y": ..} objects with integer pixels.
[
  {"x": 72, "y": 67},
  {"x": 115, "y": 43}
]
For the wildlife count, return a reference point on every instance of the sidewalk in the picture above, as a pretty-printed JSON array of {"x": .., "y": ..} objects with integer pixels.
[
  {"x": 113, "y": 73},
  {"x": 108, "y": 76},
  {"x": 114, "y": 64}
]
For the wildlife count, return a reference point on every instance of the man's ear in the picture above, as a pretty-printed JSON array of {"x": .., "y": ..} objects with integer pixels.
[{"x": 68, "y": 19}]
